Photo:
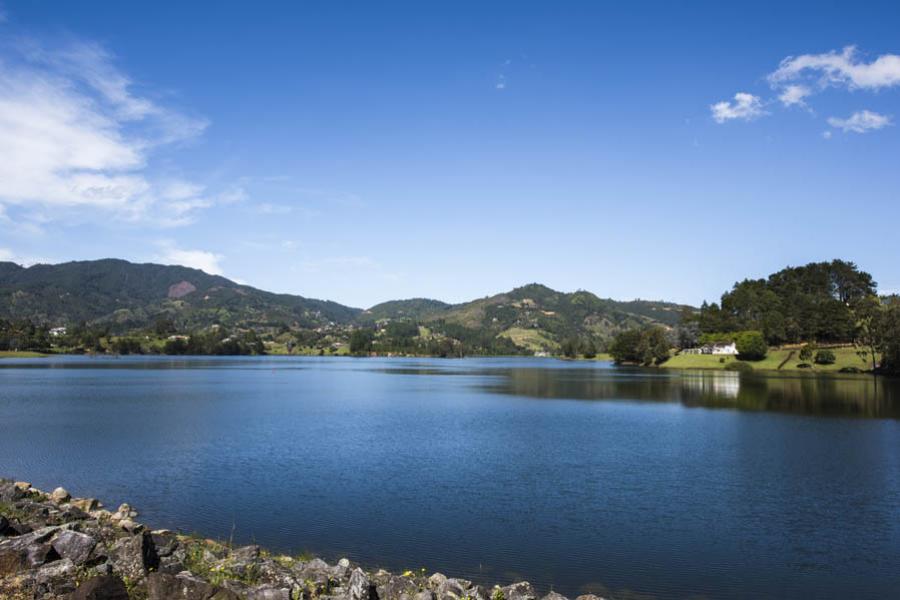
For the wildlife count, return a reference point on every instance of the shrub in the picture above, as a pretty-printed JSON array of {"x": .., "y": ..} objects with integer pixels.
[
  {"x": 806, "y": 352},
  {"x": 825, "y": 357},
  {"x": 751, "y": 345},
  {"x": 740, "y": 367},
  {"x": 850, "y": 370},
  {"x": 804, "y": 366}
]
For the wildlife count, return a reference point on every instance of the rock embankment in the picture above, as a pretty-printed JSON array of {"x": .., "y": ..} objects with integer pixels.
[{"x": 56, "y": 546}]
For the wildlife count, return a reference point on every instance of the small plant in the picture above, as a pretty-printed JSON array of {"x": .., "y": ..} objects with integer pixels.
[{"x": 497, "y": 594}]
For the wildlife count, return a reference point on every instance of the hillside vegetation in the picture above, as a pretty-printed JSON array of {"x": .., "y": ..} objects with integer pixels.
[{"x": 115, "y": 305}]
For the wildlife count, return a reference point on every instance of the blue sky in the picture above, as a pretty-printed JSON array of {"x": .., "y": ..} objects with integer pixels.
[{"x": 368, "y": 151}]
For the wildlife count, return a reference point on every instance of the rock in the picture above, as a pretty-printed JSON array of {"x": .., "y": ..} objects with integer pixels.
[
  {"x": 4, "y": 525},
  {"x": 453, "y": 589},
  {"x": 589, "y": 597},
  {"x": 161, "y": 586},
  {"x": 165, "y": 541},
  {"x": 12, "y": 560},
  {"x": 124, "y": 512},
  {"x": 85, "y": 504},
  {"x": 519, "y": 591},
  {"x": 360, "y": 586},
  {"x": 103, "y": 587},
  {"x": 134, "y": 556},
  {"x": 554, "y": 596},
  {"x": 40, "y": 554},
  {"x": 130, "y": 526},
  {"x": 9, "y": 492},
  {"x": 57, "y": 577},
  {"x": 397, "y": 586},
  {"x": 344, "y": 563},
  {"x": 75, "y": 546},
  {"x": 436, "y": 580},
  {"x": 424, "y": 595},
  {"x": 60, "y": 495},
  {"x": 268, "y": 593}
]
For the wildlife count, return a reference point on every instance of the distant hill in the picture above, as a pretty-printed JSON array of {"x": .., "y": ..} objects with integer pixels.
[
  {"x": 537, "y": 317},
  {"x": 125, "y": 296},
  {"x": 414, "y": 308}
]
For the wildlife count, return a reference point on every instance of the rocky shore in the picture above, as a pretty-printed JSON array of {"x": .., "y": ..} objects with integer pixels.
[{"x": 56, "y": 546}]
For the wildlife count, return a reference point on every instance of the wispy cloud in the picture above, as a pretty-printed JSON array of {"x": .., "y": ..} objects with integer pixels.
[
  {"x": 75, "y": 136},
  {"x": 170, "y": 253},
  {"x": 844, "y": 68},
  {"x": 860, "y": 122},
  {"x": 745, "y": 107},
  {"x": 793, "y": 95}
]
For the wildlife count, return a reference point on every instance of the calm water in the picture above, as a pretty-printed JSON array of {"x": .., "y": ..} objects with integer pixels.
[{"x": 577, "y": 476}]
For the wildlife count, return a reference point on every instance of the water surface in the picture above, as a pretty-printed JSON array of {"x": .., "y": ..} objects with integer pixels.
[{"x": 576, "y": 476}]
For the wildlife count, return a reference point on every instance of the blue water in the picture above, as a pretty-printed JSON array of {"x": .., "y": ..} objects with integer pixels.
[{"x": 576, "y": 476}]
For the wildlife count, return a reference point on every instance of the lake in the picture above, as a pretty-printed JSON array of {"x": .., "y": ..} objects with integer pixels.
[{"x": 577, "y": 476}]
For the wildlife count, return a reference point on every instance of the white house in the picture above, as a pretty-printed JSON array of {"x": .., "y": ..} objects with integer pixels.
[
  {"x": 718, "y": 348},
  {"x": 58, "y": 331}
]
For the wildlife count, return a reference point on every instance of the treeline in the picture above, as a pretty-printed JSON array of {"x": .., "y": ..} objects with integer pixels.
[
  {"x": 818, "y": 302},
  {"x": 443, "y": 339}
]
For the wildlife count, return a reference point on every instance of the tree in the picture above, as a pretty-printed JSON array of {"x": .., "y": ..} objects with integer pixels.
[
  {"x": 806, "y": 352},
  {"x": 589, "y": 349},
  {"x": 361, "y": 341},
  {"x": 751, "y": 345},
  {"x": 641, "y": 346},
  {"x": 569, "y": 348},
  {"x": 825, "y": 357}
]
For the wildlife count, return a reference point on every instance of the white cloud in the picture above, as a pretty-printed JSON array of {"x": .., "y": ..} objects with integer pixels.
[
  {"x": 7, "y": 255},
  {"x": 745, "y": 106},
  {"x": 197, "y": 259},
  {"x": 860, "y": 122},
  {"x": 794, "y": 95},
  {"x": 826, "y": 135},
  {"x": 501, "y": 82},
  {"x": 74, "y": 136},
  {"x": 841, "y": 69}
]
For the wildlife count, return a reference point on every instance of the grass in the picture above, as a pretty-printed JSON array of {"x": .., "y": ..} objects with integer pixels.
[
  {"x": 23, "y": 354},
  {"x": 531, "y": 339},
  {"x": 844, "y": 357}
]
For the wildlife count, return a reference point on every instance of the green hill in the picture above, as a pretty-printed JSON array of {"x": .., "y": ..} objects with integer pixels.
[
  {"x": 539, "y": 318},
  {"x": 125, "y": 295}
]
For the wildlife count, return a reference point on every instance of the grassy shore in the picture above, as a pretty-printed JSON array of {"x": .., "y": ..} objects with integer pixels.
[
  {"x": 11, "y": 354},
  {"x": 776, "y": 360}
]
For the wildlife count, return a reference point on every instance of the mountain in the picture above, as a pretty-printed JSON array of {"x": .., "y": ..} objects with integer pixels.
[
  {"x": 125, "y": 295},
  {"x": 414, "y": 308},
  {"x": 537, "y": 317}
]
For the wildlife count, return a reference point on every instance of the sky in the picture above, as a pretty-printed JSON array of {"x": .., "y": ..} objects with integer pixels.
[{"x": 362, "y": 152}]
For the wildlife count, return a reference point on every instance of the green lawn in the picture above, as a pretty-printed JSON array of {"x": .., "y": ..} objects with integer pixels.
[
  {"x": 844, "y": 357},
  {"x": 11, "y": 354}
]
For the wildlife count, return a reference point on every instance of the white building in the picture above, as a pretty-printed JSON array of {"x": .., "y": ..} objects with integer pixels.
[
  {"x": 718, "y": 348},
  {"x": 58, "y": 331}
]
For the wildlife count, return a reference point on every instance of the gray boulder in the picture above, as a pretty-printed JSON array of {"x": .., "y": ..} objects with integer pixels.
[
  {"x": 104, "y": 587},
  {"x": 554, "y": 596},
  {"x": 161, "y": 586},
  {"x": 360, "y": 587},
  {"x": 134, "y": 556},
  {"x": 519, "y": 591},
  {"x": 265, "y": 592},
  {"x": 73, "y": 545},
  {"x": 60, "y": 495}
]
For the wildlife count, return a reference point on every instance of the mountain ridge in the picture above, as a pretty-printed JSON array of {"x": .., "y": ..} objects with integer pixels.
[{"x": 125, "y": 296}]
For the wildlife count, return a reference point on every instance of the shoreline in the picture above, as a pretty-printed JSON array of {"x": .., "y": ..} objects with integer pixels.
[{"x": 53, "y": 545}]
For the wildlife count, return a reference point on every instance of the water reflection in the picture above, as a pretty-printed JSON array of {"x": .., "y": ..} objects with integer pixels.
[{"x": 827, "y": 395}]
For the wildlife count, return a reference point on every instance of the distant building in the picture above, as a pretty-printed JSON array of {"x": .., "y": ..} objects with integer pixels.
[
  {"x": 718, "y": 348},
  {"x": 58, "y": 331}
]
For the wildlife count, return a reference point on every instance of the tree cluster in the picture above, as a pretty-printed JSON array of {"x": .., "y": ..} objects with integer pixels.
[
  {"x": 646, "y": 346},
  {"x": 815, "y": 302}
]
